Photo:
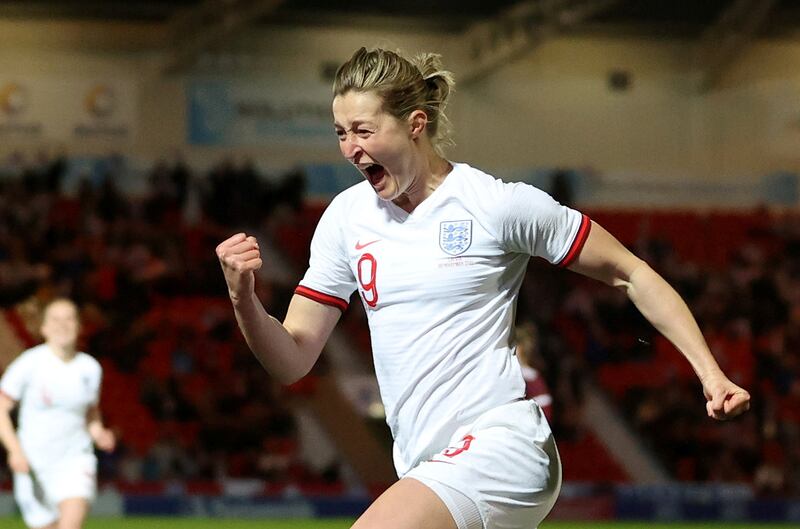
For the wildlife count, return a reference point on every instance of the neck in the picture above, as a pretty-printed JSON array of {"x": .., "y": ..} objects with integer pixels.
[
  {"x": 430, "y": 173},
  {"x": 63, "y": 352}
]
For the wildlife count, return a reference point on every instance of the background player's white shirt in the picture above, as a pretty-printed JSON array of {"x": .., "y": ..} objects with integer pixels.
[
  {"x": 54, "y": 397},
  {"x": 439, "y": 286}
]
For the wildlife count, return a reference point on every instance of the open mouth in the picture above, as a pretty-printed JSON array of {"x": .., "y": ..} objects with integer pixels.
[{"x": 374, "y": 173}]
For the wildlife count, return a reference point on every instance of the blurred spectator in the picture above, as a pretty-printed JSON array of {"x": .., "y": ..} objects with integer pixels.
[{"x": 527, "y": 342}]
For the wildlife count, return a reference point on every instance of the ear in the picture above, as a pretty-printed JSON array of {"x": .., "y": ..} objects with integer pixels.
[{"x": 418, "y": 120}]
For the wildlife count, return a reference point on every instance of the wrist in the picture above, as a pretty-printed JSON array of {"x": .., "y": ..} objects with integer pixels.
[
  {"x": 711, "y": 374},
  {"x": 239, "y": 299},
  {"x": 246, "y": 304}
]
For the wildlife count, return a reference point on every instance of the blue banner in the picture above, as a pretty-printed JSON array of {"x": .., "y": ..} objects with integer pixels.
[{"x": 231, "y": 113}]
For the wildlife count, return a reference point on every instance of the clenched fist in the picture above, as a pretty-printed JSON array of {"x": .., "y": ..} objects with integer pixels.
[
  {"x": 725, "y": 399},
  {"x": 240, "y": 257}
]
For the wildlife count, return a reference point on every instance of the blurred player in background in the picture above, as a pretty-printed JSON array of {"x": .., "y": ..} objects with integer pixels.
[
  {"x": 438, "y": 251},
  {"x": 527, "y": 343},
  {"x": 51, "y": 453}
]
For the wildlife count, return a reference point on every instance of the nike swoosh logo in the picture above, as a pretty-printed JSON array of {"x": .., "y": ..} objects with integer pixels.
[{"x": 362, "y": 246}]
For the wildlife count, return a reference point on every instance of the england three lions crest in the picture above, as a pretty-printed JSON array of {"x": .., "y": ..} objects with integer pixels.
[{"x": 455, "y": 236}]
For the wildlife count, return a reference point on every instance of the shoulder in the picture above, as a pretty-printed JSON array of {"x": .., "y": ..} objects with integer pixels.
[
  {"x": 353, "y": 204},
  {"x": 24, "y": 365},
  {"x": 346, "y": 204},
  {"x": 495, "y": 199},
  {"x": 360, "y": 194},
  {"x": 35, "y": 350},
  {"x": 470, "y": 178},
  {"x": 32, "y": 355},
  {"x": 88, "y": 362},
  {"x": 475, "y": 183}
]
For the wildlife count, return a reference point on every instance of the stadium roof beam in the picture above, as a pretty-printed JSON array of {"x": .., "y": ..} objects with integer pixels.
[
  {"x": 519, "y": 29},
  {"x": 728, "y": 37},
  {"x": 211, "y": 23}
]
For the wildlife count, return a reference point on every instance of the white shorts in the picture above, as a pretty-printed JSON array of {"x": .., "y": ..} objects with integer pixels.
[
  {"x": 39, "y": 493},
  {"x": 506, "y": 462}
]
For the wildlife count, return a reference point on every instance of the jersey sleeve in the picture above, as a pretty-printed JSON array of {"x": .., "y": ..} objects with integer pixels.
[
  {"x": 329, "y": 279},
  {"x": 533, "y": 222},
  {"x": 16, "y": 377}
]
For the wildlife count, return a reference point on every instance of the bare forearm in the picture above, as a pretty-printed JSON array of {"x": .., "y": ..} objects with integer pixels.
[
  {"x": 287, "y": 350},
  {"x": 94, "y": 422},
  {"x": 605, "y": 259},
  {"x": 8, "y": 436},
  {"x": 271, "y": 343},
  {"x": 664, "y": 308}
]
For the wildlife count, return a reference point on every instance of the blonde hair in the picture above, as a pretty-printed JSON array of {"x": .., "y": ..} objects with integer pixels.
[{"x": 403, "y": 85}]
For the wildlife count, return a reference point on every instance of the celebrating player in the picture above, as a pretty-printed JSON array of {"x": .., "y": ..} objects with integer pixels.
[
  {"x": 438, "y": 251},
  {"x": 51, "y": 454}
]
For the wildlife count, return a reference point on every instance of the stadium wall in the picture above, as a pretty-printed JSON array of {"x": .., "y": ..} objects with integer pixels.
[{"x": 553, "y": 107}]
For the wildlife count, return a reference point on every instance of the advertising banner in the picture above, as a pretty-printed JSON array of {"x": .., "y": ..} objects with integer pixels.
[{"x": 66, "y": 109}]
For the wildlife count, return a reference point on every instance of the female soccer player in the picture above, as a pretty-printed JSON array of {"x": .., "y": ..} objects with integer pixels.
[
  {"x": 51, "y": 454},
  {"x": 438, "y": 250}
]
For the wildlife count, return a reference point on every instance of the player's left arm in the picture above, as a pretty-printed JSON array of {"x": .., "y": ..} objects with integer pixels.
[
  {"x": 604, "y": 258},
  {"x": 103, "y": 438}
]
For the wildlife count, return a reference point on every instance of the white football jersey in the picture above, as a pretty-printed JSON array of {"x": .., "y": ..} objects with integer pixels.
[
  {"x": 54, "y": 397},
  {"x": 439, "y": 286}
]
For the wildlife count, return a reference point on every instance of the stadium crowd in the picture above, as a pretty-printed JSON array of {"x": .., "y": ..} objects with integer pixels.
[
  {"x": 189, "y": 404},
  {"x": 180, "y": 386}
]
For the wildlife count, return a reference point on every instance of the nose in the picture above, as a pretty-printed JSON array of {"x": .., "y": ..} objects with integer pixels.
[{"x": 351, "y": 148}]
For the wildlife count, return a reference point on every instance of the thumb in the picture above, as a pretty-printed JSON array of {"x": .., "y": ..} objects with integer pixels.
[{"x": 716, "y": 405}]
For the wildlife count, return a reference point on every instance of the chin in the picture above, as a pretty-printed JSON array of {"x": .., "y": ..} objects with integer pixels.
[{"x": 386, "y": 195}]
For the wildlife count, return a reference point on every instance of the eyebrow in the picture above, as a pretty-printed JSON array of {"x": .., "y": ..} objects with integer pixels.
[{"x": 356, "y": 123}]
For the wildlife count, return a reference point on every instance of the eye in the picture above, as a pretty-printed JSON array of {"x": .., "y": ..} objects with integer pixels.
[
  {"x": 340, "y": 133},
  {"x": 364, "y": 133}
]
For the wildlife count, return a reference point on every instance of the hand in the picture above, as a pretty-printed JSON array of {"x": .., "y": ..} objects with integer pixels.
[
  {"x": 240, "y": 257},
  {"x": 105, "y": 440},
  {"x": 725, "y": 399},
  {"x": 18, "y": 463}
]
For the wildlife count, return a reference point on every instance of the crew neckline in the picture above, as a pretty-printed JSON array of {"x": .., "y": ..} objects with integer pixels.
[{"x": 426, "y": 205}]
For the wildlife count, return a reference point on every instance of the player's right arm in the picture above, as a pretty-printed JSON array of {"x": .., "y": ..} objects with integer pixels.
[
  {"x": 16, "y": 457},
  {"x": 287, "y": 350}
]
